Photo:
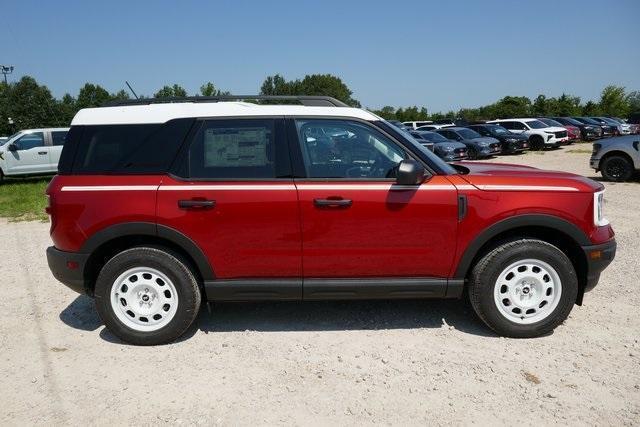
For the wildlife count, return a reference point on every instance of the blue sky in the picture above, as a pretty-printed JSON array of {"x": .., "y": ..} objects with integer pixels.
[{"x": 441, "y": 54}]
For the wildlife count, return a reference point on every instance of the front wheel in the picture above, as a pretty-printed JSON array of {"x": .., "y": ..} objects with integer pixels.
[
  {"x": 536, "y": 143},
  {"x": 147, "y": 296},
  {"x": 616, "y": 168},
  {"x": 524, "y": 288}
]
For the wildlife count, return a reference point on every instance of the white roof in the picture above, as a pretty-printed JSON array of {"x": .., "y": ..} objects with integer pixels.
[
  {"x": 161, "y": 113},
  {"x": 526, "y": 119}
]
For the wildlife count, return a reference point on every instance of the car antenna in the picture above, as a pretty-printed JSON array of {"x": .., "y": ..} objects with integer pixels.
[{"x": 131, "y": 89}]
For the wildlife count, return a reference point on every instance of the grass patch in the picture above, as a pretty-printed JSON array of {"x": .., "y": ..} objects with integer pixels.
[
  {"x": 579, "y": 150},
  {"x": 23, "y": 199}
]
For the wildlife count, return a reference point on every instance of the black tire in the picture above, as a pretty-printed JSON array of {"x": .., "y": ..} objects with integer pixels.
[
  {"x": 175, "y": 269},
  {"x": 536, "y": 143},
  {"x": 485, "y": 275},
  {"x": 472, "y": 153},
  {"x": 616, "y": 168}
]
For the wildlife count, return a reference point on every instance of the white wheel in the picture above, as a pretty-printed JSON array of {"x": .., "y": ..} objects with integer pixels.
[
  {"x": 144, "y": 299},
  {"x": 527, "y": 291}
]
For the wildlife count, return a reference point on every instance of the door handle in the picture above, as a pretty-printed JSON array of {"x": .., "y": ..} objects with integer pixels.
[
  {"x": 196, "y": 204},
  {"x": 332, "y": 203},
  {"x": 42, "y": 152}
]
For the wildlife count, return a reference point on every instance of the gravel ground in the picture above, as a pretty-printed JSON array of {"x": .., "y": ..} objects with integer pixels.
[{"x": 391, "y": 362}]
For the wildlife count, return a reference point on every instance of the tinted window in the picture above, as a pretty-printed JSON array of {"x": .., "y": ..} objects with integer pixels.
[
  {"x": 125, "y": 149},
  {"x": 31, "y": 140},
  {"x": 433, "y": 137},
  {"x": 468, "y": 133},
  {"x": 551, "y": 122},
  {"x": 347, "y": 149},
  {"x": 536, "y": 124},
  {"x": 58, "y": 137},
  {"x": 234, "y": 149}
]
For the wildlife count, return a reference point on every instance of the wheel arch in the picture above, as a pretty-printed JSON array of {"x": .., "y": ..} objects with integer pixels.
[
  {"x": 557, "y": 231},
  {"x": 621, "y": 153},
  {"x": 113, "y": 239}
]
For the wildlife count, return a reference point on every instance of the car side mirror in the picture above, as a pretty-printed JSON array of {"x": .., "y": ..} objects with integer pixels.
[
  {"x": 12, "y": 147},
  {"x": 410, "y": 172}
]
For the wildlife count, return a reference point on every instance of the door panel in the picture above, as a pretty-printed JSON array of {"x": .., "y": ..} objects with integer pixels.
[
  {"x": 32, "y": 155},
  {"x": 386, "y": 231},
  {"x": 232, "y": 202},
  {"x": 356, "y": 222}
]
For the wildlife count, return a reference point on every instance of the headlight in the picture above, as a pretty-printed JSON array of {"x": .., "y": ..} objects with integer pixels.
[{"x": 598, "y": 205}]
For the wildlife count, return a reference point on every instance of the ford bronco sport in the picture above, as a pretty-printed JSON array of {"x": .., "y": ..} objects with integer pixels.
[{"x": 161, "y": 204}]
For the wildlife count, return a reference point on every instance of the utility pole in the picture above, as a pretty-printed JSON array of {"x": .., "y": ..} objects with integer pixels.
[{"x": 6, "y": 69}]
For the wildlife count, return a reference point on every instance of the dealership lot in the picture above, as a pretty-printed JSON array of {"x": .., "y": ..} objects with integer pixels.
[{"x": 402, "y": 362}]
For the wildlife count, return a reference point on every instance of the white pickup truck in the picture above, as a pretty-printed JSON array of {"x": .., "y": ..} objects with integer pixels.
[{"x": 32, "y": 152}]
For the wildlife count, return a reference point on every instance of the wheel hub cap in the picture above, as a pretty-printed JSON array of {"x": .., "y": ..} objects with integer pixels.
[
  {"x": 144, "y": 299},
  {"x": 527, "y": 291}
]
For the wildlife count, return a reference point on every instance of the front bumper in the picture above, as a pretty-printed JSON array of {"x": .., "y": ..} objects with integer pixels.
[
  {"x": 68, "y": 268},
  {"x": 598, "y": 258}
]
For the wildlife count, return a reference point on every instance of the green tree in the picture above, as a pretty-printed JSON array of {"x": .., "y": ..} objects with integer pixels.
[
  {"x": 614, "y": 102},
  {"x": 387, "y": 112},
  {"x": 121, "y": 94},
  {"x": 633, "y": 99},
  {"x": 28, "y": 104},
  {"x": 314, "y": 84},
  {"x": 175, "y": 91},
  {"x": 209, "y": 89},
  {"x": 568, "y": 105},
  {"x": 513, "y": 106},
  {"x": 67, "y": 108},
  {"x": 91, "y": 95},
  {"x": 543, "y": 106},
  {"x": 591, "y": 109}
]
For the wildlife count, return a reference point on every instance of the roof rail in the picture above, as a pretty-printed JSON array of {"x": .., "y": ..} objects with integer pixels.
[{"x": 310, "y": 101}]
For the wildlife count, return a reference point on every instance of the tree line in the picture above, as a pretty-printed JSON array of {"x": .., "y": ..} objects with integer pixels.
[{"x": 27, "y": 104}]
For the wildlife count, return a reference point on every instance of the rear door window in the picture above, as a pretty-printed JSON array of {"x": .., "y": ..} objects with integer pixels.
[
  {"x": 58, "y": 137},
  {"x": 236, "y": 149}
]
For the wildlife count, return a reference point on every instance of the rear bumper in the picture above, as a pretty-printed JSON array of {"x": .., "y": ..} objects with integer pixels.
[
  {"x": 68, "y": 268},
  {"x": 598, "y": 258}
]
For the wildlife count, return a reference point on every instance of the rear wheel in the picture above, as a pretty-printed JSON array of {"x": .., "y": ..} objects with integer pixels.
[
  {"x": 536, "y": 143},
  {"x": 147, "y": 296},
  {"x": 616, "y": 168},
  {"x": 523, "y": 288}
]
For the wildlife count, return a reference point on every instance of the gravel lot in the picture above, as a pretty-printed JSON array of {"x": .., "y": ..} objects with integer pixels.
[{"x": 402, "y": 362}]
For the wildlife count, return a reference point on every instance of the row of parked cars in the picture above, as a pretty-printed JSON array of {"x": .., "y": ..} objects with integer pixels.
[{"x": 454, "y": 140}]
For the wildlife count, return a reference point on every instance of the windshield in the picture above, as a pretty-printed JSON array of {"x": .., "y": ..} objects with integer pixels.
[
  {"x": 425, "y": 151},
  {"x": 536, "y": 124},
  {"x": 551, "y": 122},
  {"x": 468, "y": 134},
  {"x": 589, "y": 121},
  {"x": 433, "y": 137},
  {"x": 610, "y": 121},
  {"x": 498, "y": 130},
  {"x": 572, "y": 121}
]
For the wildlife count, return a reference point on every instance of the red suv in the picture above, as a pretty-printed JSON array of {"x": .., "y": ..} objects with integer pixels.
[{"x": 158, "y": 205}]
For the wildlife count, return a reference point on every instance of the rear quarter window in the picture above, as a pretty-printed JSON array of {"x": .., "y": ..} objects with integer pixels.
[{"x": 123, "y": 149}]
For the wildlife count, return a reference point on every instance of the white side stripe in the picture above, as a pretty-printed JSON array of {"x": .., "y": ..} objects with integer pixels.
[
  {"x": 525, "y": 188},
  {"x": 227, "y": 187},
  {"x": 109, "y": 188}
]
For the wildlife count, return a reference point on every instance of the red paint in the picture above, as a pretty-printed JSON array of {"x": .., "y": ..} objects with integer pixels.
[{"x": 274, "y": 229}]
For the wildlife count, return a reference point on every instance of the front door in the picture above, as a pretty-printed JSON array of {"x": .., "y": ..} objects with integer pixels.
[
  {"x": 356, "y": 222},
  {"x": 232, "y": 194},
  {"x": 31, "y": 156}
]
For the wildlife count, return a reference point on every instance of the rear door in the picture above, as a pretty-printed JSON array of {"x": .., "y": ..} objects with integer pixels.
[
  {"x": 31, "y": 156},
  {"x": 356, "y": 222},
  {"x": 231, "y": 192}
]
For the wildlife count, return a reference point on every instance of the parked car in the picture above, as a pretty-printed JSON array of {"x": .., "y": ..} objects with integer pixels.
[
  {"x": 32, "y": 152},
  {"x": 573, "y": 132},
  {"x": 539, "y": 134},
  {"x": 511, "y": 143},
  {"x": 478, "y": 146},
  {"x": 588, "y": 132},
  {"x": 433, "y": 127},
  {"x": 633, "y": 128},
  {"x": 3, "y": 139},
  {"x": 448, "y": 150},
  {"x": 159, "y": 206},
  {"x": 616, "y": 158},
  {"x": 399, "y": 125},
  {"x": 607, "y": 130},
  {"x": 619, "y": 128},
  {"x": 416, "y": 125}
]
